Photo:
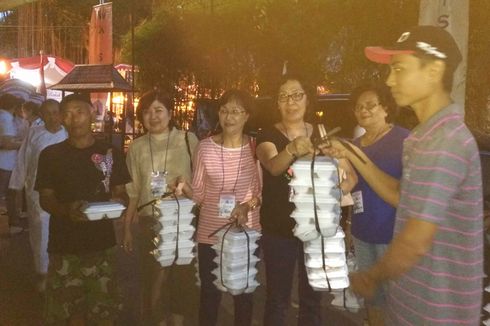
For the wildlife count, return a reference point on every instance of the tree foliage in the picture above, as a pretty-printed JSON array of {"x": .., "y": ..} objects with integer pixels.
[
  {"x": 240, "y": 43},
  {"x": 236, "y": 43},
  {"x": 60, "y": 27},
  {"x": 478, "y": 73}
]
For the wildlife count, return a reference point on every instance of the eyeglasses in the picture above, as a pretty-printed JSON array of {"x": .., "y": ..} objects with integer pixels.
[
  {"x": 232, "y": 112},
  {"x": 369, "y": 107},
  {"x": 283, "y": 98}
]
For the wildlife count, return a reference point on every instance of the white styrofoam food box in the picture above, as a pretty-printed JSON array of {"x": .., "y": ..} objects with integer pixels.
[
  {"x": 101, "y": 210},
  {"x": 325, "y": 169},
  {"x": 169, "y": 206}
]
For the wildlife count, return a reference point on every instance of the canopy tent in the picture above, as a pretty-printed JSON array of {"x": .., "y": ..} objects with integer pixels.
[
  {"x": 27, "y": 69},
  {"x": 21, "y": 89},
  {"x": 93, "y": 78},
  {"x": 100, "y": 79}
]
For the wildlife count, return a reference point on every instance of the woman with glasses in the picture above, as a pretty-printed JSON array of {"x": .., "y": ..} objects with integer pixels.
[
  {"x": 227, "y": 187},
  {"x": 277, "y": 149},
  {"x": 154, "y": 161},
  {"x": 373, "y": 219}
]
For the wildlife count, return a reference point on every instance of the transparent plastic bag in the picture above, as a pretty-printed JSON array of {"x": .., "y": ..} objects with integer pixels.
[{"x": 346, "y": 299}]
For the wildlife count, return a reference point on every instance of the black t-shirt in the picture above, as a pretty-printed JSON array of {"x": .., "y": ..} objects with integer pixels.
[
  {"x": 78, "y": 174},
  {"x": 276, "y": 209}
]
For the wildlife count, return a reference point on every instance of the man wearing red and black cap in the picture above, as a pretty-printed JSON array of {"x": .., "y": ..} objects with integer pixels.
[{"x": 434, "y": 265}]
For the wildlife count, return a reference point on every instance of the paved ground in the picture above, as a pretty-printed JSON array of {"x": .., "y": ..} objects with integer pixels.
[{"x": 20, "y": 304}]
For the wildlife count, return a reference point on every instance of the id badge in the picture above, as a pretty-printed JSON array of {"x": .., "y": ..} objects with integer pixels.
[
  {"x": 358, "y": 203},
  {"x": 227, "y": 203},
  {"x": 158, "y": 183}
]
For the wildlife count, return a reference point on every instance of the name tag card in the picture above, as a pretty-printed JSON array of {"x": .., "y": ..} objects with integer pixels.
[
  {"x": 358, "y": 203},
  {"x": 227, "y": 203},
  {"x": 158, "y": 183}
]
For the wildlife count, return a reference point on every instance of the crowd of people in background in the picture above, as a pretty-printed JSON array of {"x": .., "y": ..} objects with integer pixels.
[{"x": 416, "y": 221}]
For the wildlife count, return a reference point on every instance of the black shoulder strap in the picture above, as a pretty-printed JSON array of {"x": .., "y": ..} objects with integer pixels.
[
  {"x": 253, "y": 146},
  {"x": 188, "y": 148}
]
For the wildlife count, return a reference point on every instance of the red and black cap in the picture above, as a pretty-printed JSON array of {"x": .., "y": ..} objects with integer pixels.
[{"x": 429, "y": 40}]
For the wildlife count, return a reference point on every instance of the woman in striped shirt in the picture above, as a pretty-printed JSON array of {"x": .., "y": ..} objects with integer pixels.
[{"x": 225, "y": 170}]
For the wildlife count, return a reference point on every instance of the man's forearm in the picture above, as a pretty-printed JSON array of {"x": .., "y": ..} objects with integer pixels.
[
  {"x": 119, "y": 194},
  {"x": 406, "y": 249},
  {"x": 53, "y": 207},
  {"x": 398, "y": 259}
]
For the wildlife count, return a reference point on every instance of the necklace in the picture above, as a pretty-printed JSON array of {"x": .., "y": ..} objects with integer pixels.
[
  {"x": 286, "y": 130},
  {"x": 166, "y": 152},
  {"x": 377, "y": 136}
]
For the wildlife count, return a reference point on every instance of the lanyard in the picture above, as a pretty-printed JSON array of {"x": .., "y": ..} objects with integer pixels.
[
  {"x": 166, "y": 152},
  {"x": 223, "y": 165}
]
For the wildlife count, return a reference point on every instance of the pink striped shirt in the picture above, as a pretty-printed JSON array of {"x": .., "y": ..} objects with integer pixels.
[
  {"x": 441, "y": 184},
  {"x": 211, "y": 160}
]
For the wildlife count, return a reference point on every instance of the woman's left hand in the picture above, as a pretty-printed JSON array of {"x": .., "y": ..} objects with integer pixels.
[{"x": 240, "y": 214}]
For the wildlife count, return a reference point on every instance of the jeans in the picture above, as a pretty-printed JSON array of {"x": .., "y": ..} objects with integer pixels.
[
  {"x": 367, "y": 254},
  {"x": 9, "y": 196},
  {"x": 280, "y": 256},
  {"x": 211, "y": 297}
]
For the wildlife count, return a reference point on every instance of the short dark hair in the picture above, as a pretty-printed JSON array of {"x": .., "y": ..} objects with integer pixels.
[
  {"x": 151, "y": 96},
  {"x": 80, "y": 97},
  {"x": 244, "y": 99},
  {"x": 48, "y": 102},
  {"x": 241, "y": 97},
  {"x": 31, "y": 106},
  {"x": 9, "y": 102},
  {"x": 447, "y": 77},
  {"x": 310, "y": 92},
  {"x": 384, "y": 96}
]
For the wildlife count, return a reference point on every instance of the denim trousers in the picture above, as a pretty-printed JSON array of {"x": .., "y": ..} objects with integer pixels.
[
  {"x": 9, "y": 196},
  {"x": 368, "y": 254},
  {"x": 211, "y": 297},
  {"x": 280, "y": 256}
]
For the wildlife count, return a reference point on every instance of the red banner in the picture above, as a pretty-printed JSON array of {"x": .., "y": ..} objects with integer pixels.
[{"x": 100, "y": 35}]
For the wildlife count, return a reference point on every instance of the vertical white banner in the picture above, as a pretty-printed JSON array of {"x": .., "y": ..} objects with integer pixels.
[
  {"x": 100, "y": 34},
  {"x": 452, "y": 15}
]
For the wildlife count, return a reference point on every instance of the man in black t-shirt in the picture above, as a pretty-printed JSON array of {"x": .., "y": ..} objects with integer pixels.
[{"x": 80, "y": 285}]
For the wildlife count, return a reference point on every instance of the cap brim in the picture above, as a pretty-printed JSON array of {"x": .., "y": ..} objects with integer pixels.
[{"x": 382, "y": 55}]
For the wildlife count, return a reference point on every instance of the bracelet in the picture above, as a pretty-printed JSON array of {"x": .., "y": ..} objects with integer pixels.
[
  {"x": 253, "y": 203},
  {"x": 287, "y": 151}
]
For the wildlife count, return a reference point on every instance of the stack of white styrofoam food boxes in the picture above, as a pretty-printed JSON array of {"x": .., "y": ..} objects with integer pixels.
[
  {"x": 236, "y": 261},
  {"x": 174, "y": 241},
  {"x": 323, "y": 239}
]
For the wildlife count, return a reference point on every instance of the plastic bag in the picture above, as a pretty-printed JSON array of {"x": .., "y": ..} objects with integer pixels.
[{"x": 346, "y": 299}]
